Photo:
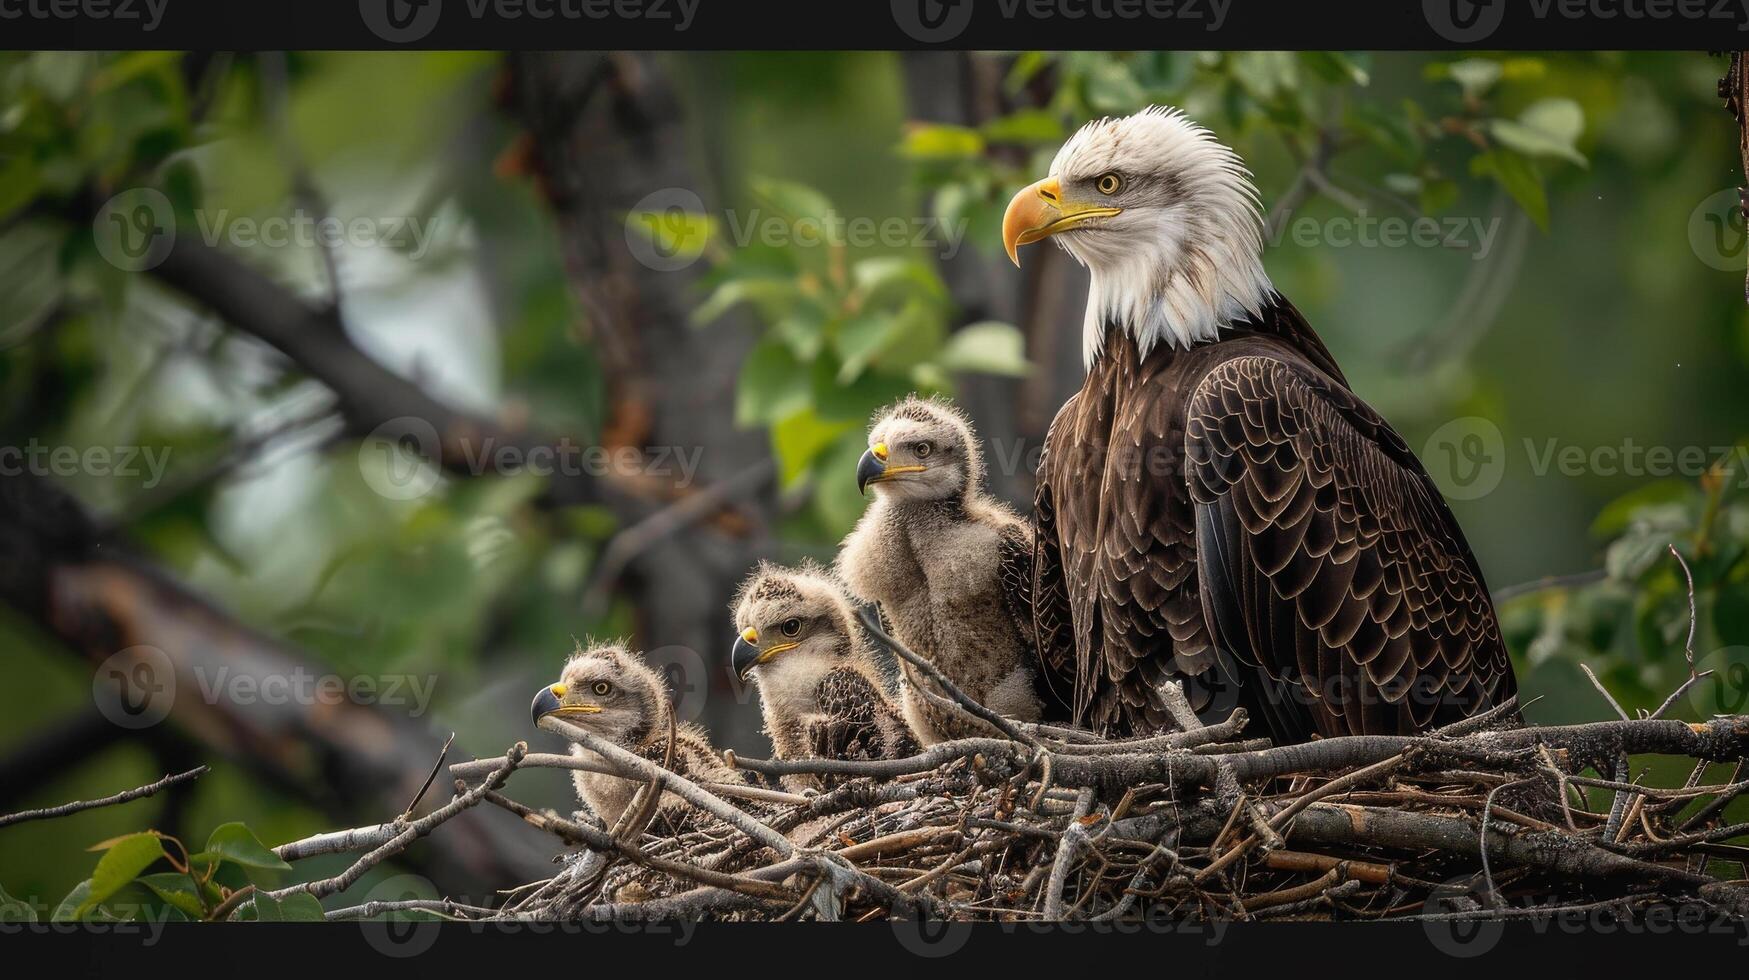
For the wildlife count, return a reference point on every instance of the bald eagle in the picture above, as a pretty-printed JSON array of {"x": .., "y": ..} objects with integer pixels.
[
  {"x": 820, "y": 686},
  {"x": 1216, "y": 504}
]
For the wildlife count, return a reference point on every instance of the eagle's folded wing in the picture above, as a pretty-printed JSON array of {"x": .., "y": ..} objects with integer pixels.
[
  {"x": 1032, "y": 585},
  {"x": 856, "y": 721},
  {"x": 1329, "y": 561}
]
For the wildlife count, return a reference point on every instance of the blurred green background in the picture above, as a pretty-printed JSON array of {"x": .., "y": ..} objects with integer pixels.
[{"x": 1582, "y": 295}]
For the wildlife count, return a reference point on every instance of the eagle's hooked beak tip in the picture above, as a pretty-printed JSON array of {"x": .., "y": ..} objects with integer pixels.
[
  {"x": 1038, "y": 211},
  {"x": 1030, "y": 211},
  {"x": 871, "y": 467},
  {"x": 746, "y": 653},
  {"x": 547, "y": 701}
]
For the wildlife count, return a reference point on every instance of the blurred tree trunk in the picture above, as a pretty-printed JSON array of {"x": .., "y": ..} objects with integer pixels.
[
  {"x": 1045, "y": 297},
  {"x": 606, "y": 131}
]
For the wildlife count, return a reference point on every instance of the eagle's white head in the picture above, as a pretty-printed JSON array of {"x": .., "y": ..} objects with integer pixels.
[{"x": 1165, "y": 218}]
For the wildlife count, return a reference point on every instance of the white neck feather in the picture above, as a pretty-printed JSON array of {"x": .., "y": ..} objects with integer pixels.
[{"x": 1175, "y": 295}]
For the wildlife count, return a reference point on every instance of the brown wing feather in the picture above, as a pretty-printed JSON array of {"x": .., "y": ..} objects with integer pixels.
[
  {"x": 1329, "y": 561},
  {"x": 858, "y": 721},
  {"x": 1041, "y": 614}
]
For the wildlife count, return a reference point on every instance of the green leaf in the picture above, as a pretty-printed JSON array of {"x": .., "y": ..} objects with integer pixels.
[
  {"x": 987, "y": 348},
  {"x": 836, "y": 401},
  {"x": 32, "y": 286},
  {"x": 1439, "y": 195},
  {"x": 1549, "y": 128},
  {"x": 1391, "y": 132},
  {"x": 862, "y": 339},
  {"x": 1334, "y": 66},
  {"x": 176, "y": 890},
  {"x": 1265, "y": 74},
  {"x": 1619, "y": 514},
  {"x": 936, "y": 141},
  {"x": 768, "y": 294},
  {"x": 803, "y": 331},
  {"x": 128, "y": 67},
  {"x": 1025, "y": 126},
  {"x": 296, "y": 907},
  {"x": 1523, "y": 70},
  {"x": 1519, "y": 178},
  {"x": 1631, "y": 555},
  {"x": 236, "y": 843},
  {"x": 1474, "y": 75},
  {"x": 680, "y": 235},
  {"x": 1111, "y": 88},
  {"x": 887, "y": 276},
  {"x": 121, "y": 863},
  {"x": 799, "y": 439},
  {"x": 68, "y": 910},
  {"x": 14, "y": 909},
  {"x": 1028, "y": 64},
  {"x": 773, "y": 384},
  {"x": 794, "y": 201}
]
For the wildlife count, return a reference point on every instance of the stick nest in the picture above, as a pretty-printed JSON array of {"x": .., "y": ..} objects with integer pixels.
[{"x": 1194, "y": 825}]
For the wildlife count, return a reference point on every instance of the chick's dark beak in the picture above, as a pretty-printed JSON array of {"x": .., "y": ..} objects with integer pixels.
[
  {"x": 545, "y": 703},
  {"x": 745, "y": 655},
  {"x": 871, "y": 467}
]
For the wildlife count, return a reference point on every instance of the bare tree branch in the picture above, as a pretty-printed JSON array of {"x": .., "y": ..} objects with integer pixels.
[{"x": 127, "y": 796}]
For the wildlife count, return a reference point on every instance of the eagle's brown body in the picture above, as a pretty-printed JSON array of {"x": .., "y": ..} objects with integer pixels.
[{"x": 1233, "y": 515}]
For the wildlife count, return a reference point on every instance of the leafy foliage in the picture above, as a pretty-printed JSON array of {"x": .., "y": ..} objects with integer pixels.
[
  {"x": 1314, "y": 102},
  {"x": 198, "y": 886},
  {"x": 1632, "y": 627},
  {"x": 843, "y": 333}
]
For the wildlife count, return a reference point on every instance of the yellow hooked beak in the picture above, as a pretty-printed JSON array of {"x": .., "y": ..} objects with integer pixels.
[
  {"x": 550, "y": 701},
  {"x": 747, "y": 654},
  {"x": 874, "y": 468},
  {"x": 1039, "y": 211}
]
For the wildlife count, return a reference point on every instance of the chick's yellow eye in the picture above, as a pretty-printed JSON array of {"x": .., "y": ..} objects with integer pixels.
[
  {"x": 791, "y": 627},
  {"x": 602, "y": 688},
  {"x": 1109, "y": 184}
]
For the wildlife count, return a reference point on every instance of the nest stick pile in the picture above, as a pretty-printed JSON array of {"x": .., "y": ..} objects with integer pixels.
[
  {"x": 1485, "y": 819},
  {"x": 1199, "y": 824}
]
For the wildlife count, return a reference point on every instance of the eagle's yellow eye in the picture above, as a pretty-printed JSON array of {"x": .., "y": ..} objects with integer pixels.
[
  {"x": 602, "y": 688},
  {"x": 1109, "y": 184}
]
